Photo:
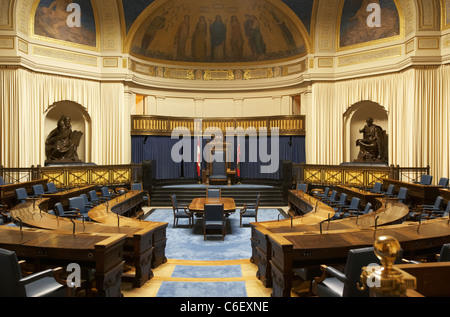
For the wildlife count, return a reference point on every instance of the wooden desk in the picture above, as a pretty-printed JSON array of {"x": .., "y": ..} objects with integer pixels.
[
  {"x": 390, "y": 213},
  {"x": 106, "y": 214},
  {"x": 137, "y": 249},
  {"x": 8, "y": 192},
  {"x": 63, "y": 196},
  {"x": 198, "y": 204},
  {"x": 433, "y": 278},
  {"x": 309, "y": 249},
  {"x": 419, "y": 194},
  {"x": 363, "y": 195},
  {"x": 102, "y": 252}
]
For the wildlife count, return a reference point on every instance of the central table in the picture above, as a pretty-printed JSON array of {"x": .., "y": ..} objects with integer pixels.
[{"x": 198, "y": 204}]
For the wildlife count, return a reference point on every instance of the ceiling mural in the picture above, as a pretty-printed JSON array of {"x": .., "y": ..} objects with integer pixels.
[
  {"x": 354, "y": 28},
  {"x": 50, "y": 21},
  {"x": 219, "y": 31}
]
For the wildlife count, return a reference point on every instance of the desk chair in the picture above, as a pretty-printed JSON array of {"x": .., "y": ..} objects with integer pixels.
[
  {"x": 43, "y": 284},
  {"x": 425, "y": 211},
  {"x": 214, "y": 219},
  {"x": 5, "y": 216},
  {"x": 377, "y": 188},
  {"x": 213, "y": 192},
  {"x": 88, "y": 204},
  {"x": 146, "y": 196},
  {"x": 425, "y": 180},
  {"x": 21, "y": 195},
  {"x": 325, "y": 193},
  {"x": 107, "y": 193},
  {"x": 334, "y": 283},
  {"x": 2, "y": 181},
  {"x": 60, "y": 212},
  {"x": 353, "y": 207},
  {"x": 331, "y": 198},
  {"x": 78, "y": 204},
  {"x": 180, "y": 211},
  {"x": 390, "y": 191},
  {"x": 95, "y": 200},
  {"x": 443, "y": 182},
  {"x": 402, "y": 195},
  {"x": 303, "y": 187},
  {"x": 340, "y": 203},
  {"x": 39, "y": 190},
  {"x": 51, "y": 188},
  {"x": 250, "y": 210}
]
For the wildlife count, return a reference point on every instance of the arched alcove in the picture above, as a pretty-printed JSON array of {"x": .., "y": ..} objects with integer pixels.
[
  {"x": 355, "y": 119},
  {"x": 80, "y": 121}
]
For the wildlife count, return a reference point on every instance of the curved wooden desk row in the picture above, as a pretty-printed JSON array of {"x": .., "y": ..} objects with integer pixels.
[
  {"x": 313, "y": 224},
  {"x": 144, "y": 245},
  {"x": 102, "y": 252},
  {"x": 302, "y": 250}
]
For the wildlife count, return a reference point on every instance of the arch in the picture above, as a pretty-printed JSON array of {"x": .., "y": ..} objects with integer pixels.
[
  {"x": 80, "y": 120},
  {"x": 355, "y": 119},
  {"x": 288, "y": 38},
  {"x": 362, "y": 34}
]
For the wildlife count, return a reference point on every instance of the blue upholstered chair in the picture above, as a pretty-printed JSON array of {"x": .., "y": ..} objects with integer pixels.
[
  {"x": 443, "y": 181},
  {"x": 214, "y": 219},
  {"x": 425, "y": 180},
  {"x": 94, "y": 199},
  {"x": 146, "y": 196},
  {"x": 38, "y": 190},
  {"x": 348, "y": 210},
  {"x": 180, "y": 211},
  {"x": 444, "y": 255},
  {"x": 331, "y": 198},
  {"x": 377, "y": 188},
  {"x": 390, "y": 191},
  {"x": 5, "y": 216},
  {"x": 59, "y": 211},
  {"x": 78, "y": 204},
  {"x": 334, "y": 283},
  {"x": 302, "y": 186},
  {"x": 402, "y": 195},
  {"x": 325, "y": 193},
  {"x": 88, "y": 204},
  {"x": 213, "y": 192},
  {"x": 250, "y": 210},
  {"x": 107, "y": 193},
  {"x": 13, "y": 284},
  {"x": 21, "y": 195},
  {"x": 340, "y": 203},
  {"x": 51, "y": 188},
  {"x": 2, "y": 181},
  {"x": 218, "y": 172},
  {"x": 426, "y": 211}
]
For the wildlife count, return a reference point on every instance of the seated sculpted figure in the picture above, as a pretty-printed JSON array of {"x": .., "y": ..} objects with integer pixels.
[
  {"x": 372, "y": 143},
  {"x": 62, "y": 142}
]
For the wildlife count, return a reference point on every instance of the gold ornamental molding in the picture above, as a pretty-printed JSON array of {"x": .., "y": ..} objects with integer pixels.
[{"x": 163, "y": 126}]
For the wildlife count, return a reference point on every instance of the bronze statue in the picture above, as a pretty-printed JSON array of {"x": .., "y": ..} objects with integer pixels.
[
  {"x": 372, "y": 145},
  {"x": 62, "y": 143}
]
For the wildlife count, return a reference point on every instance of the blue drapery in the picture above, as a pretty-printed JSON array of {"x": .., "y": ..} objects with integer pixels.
[{"x": 159, "y": 149}]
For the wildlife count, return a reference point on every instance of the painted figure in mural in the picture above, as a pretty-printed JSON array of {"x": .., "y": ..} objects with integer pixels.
[
  {"x": 181, "y": 37},
  {"x": 62, "y": 143},
  {"x": 218, "y": 32},
  {"x": 285, "y": 31},
  {"x": 236, "y": 39},
  {"x": 372, "y": 143},
  {"x": 199, "y": 46},
  {"x": 254, "y": 37},
  {"x": 156, "y": 24}
]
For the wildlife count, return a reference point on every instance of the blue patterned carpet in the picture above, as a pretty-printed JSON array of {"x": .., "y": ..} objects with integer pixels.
[{"x": 184, "y": 243}]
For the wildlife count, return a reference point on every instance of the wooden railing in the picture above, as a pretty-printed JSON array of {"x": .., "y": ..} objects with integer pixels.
[
  {"x": 158, "y": 125},
  {"x": 354, "y": 175},
  {"x": 76, "y": 176}
]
